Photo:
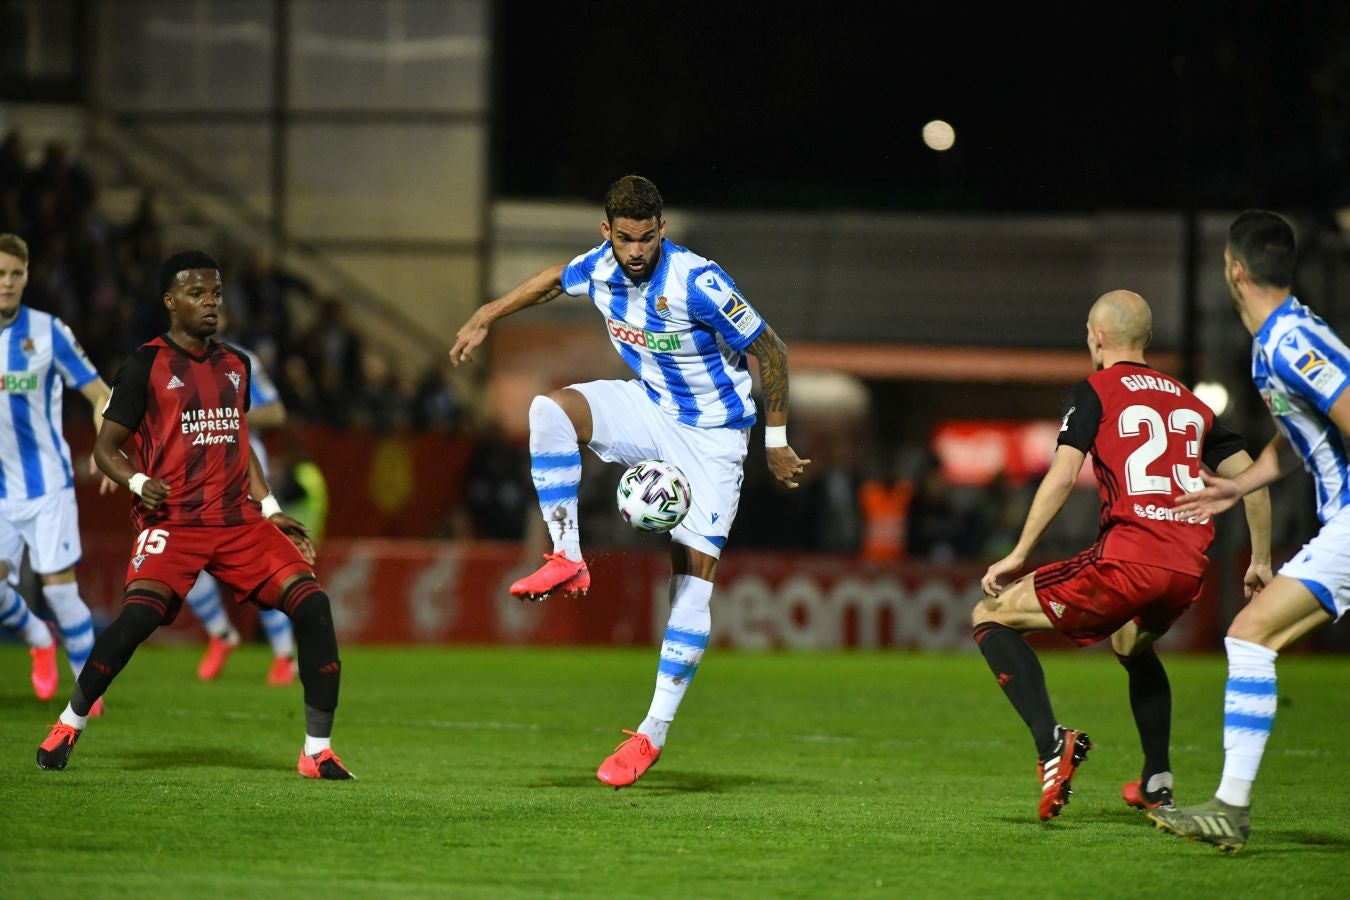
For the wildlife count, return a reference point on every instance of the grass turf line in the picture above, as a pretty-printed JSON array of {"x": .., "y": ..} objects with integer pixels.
[{"x": 806, "y": 775}]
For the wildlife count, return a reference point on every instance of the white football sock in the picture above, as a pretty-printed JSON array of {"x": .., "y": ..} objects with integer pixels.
[
  {"x": 70, "y": 718},
  {"x": 555, "y": 466},
  {"x": 204, "y": 599},
  {"x": 18, "y": 618},
  {"x": 1249, "y": 702},
  {"x": 687, "y": 633},
  {"x": 72, "y": 620},
  {"x": 315, "y": 746},
  {"x": 279, "y": 633}
]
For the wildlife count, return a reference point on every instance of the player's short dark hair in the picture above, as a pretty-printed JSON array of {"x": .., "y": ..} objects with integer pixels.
[
  {"x": 1264, "y": 242},
  {"x": 632, "y": 197},
  {"x": 182, "y": 262},
  {"x": 14, "y": 246}
]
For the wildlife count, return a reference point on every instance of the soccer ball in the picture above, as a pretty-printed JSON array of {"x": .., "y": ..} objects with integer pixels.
[{"x": 653, "y": 495}]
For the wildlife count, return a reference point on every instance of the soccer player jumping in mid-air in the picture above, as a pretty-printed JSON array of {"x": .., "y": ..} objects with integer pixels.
[
  {"x": 1148, "y": 436},
  {"x": 1302, "y": 369},
  {"x": 682, "y": 326},
  {"x": 181, "y": 401}
]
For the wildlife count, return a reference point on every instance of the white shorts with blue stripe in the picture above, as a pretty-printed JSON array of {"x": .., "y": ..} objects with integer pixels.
[
  {"x": 628, "y": 427},
  {"x": 1323, "y": 564},
  {"x": 49, "y": 525}
]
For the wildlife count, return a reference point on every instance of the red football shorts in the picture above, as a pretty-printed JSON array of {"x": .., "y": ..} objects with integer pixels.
[
  {"x": 251, "y": 560},
  {"x": 1089, "y": 599}
]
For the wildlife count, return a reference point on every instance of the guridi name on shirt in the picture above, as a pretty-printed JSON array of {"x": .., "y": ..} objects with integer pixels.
[{"x": 1149, "y": 383}]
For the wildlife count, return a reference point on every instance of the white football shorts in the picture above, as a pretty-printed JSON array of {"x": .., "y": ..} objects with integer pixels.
[
  {"x": 1323, "y": 564},
  {"x": 628, "y": 427},
  {"x": 49, "y": 525}
]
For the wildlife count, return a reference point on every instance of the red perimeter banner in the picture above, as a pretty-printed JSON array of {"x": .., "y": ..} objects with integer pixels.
[{"x": 434, "y": 592}]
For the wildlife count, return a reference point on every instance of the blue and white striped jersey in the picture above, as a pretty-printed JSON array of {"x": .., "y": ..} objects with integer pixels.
[
  {"x": 35, "y": 349},
  {"x": 1300, "y": 367},
  {"x": 682, "y": 332}
]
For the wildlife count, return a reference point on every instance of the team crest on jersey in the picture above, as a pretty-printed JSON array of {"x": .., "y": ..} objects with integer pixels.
[
  {"x": 234, "y": 379},
  {"x": 662, "y": 307},
  {"x": 28, "y": 347},
  {"x": 137, "y": 560}
]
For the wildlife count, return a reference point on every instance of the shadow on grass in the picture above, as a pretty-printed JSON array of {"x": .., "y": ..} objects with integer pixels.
[
  {"x": 198, "y": 758},
  {"x": 26, "y": 703},
  {"x": 1304, "y": 841},
  {"x": 660, "y": 783}
]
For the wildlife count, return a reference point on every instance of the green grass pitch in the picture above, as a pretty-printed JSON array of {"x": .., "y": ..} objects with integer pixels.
[{"x": 806, "y": 775}]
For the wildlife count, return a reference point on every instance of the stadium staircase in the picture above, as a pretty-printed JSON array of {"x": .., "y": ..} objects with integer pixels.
[{"x": 199, "y": 210}]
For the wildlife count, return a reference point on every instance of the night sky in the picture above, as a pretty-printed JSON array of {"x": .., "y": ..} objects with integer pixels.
[{"x": 788, "y": 105}]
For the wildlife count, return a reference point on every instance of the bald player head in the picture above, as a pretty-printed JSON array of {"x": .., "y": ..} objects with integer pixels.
[{"x": 1119, "y": 327}]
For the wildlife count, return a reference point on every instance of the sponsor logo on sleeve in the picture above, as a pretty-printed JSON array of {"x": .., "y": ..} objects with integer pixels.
[
  {"x": 1317, "y": 370},
  {"x": 739, "y": 313}
]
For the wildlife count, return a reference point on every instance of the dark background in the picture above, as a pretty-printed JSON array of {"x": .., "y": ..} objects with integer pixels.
[{"x": 789, "y": 105}]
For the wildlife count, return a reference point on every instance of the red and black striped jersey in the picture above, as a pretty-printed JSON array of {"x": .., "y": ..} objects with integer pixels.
[
  {"x": 187, "y": 412},
  {"x": 1148, "y": 436}
]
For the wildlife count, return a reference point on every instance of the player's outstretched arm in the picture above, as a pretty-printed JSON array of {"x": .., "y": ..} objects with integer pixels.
[
  {"x": 112, "y": 436},
  {"x": 542, "y": 287},
  {"x": 1220, "y": 493},
  {"x": 1257, "y": 506},
  {"x": 97, "y": 393},
  {"x": 771, "y": 353},
  {"x": 1050, "y": 497}
]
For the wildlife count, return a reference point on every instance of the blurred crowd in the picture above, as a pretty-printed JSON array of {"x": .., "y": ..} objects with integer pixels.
[
  {"x": 99, "y": 277},
  {"x": 881, "y": 505}
]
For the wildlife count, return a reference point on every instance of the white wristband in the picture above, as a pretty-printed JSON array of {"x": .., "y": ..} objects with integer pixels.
[
  {"x": 270, "y": 506},
  {"x": 137, "y": 483},
  {"x": 775, "y": 436}
]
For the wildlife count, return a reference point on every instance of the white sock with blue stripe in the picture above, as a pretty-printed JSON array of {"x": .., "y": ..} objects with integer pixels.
[
  {"x": 204, "y": 599},
  {"x": 72, "y": 620},
  {"x": 1249, "y": 702},
  {"x": 279, "y": 633},
  {"x": 18, "y": 618},
  {"x": 687, "y": 633},
  {"x": 555, "y": 466}
]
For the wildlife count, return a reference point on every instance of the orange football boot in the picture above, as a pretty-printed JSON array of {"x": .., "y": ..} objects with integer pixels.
[
  {"x": 558, "y": 573},
  {"x": 218, "y": 650},
  {"x": 45, "y": 676},
  {"x": 629, "y": 761},
  {"x": 324, "y": 764}
]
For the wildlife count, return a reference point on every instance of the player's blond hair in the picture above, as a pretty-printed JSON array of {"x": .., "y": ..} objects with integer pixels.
[{"x": 15, "y": 246}]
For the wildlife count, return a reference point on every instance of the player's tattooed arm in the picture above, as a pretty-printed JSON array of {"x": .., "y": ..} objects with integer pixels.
[{"x": 771, "y": 353}]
